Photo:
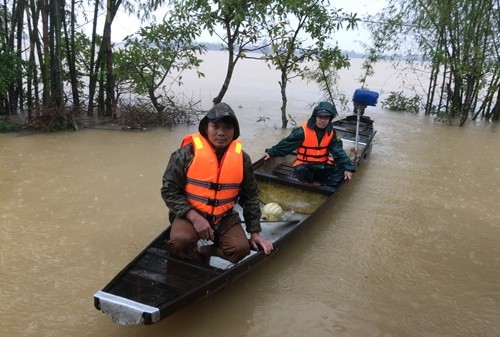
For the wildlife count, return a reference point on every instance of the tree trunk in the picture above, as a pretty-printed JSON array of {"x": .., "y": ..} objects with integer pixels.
[
  {"x": 94, "y": 66},
  {"x": 19, "y": 101},
  {"x": 108, "y": 61},
  {"x": 284, "y": 81},
  {"x": 104, "y": 60},
  {"x": 56, "y": 85},
  {"x": 33, "y": 89},
  {"x": 43, "y": 52},
  {"x": 495, "y": 112},
  {"x": 70, "y": 55},
  {"x": 229, "y": 73}
]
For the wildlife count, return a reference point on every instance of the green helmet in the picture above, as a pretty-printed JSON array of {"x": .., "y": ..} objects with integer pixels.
[{"x": 325, "y": 109}]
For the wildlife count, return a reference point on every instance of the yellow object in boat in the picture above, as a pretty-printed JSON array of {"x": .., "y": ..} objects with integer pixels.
[{"x": 272, "y": 211}]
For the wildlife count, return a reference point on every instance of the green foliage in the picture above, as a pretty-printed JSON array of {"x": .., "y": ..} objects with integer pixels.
[
  {"x": 157, "y": 56},
  {"x": 460, "y": 40},
  {"x": 6, "y": 126},
  {"x": 67, "y": 66},
  {"x": 236, "y": 23},
  {"x": 367, "y": 66},
  {"x": 325, "y": 75},
  {"x": 293, "y": 121},
  {"x": 397, "y": 101},
  {"x": 11, "y": 69},
  {"x": 298, "y": 32},
  {"x": 82, "y": 52},
  {"x": 263, "y": 119},
  {"x": 58, "y": 124}
]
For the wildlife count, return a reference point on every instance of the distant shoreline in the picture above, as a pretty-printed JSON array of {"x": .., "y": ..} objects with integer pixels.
[{"x": 217, "y": 47}]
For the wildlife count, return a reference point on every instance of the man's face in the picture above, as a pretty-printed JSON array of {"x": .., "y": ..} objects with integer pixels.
[
  {"x": 322, "y": 121},
  {"x": 220, "y": 134}
]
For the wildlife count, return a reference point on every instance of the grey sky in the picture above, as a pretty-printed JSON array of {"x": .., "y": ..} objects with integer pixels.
[{"x": 125, "y": 25}]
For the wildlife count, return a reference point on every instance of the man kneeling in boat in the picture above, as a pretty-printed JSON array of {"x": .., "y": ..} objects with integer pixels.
[
  {"x": 320, "y": 155},
  {"x": 201, "y": 184}
]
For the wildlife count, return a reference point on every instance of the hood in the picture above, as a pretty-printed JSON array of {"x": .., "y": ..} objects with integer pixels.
[
  {"x": 322, "y": 109},
  {"x": 217, "y": 112}
]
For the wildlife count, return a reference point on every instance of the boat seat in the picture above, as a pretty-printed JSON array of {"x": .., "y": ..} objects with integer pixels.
[
  {"x": 348, "y": 130},
  {"x": 284, "y": 170}
]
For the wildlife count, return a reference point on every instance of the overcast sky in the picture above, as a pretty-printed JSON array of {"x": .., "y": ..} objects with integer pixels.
[
  {"x": 124, "y": 25},
  {"x": 351, "y": 40}
]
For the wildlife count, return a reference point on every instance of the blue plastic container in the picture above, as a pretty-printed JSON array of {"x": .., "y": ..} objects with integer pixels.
[{"x": 365, "y": 97}]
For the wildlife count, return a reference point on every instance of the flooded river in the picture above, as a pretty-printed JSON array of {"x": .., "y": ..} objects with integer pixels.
[{"x": 410, "y": 247}]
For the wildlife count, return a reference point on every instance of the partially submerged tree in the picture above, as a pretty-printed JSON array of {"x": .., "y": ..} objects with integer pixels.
[
  {"x": 299, "y": 31},
  {"x": 460, "y": 42},
  {"x": 156, "y": 56},
  {"x": 101, "y": 71},
  {"x": 326, "y": 75},
  {"x": 237, "y": 23}
]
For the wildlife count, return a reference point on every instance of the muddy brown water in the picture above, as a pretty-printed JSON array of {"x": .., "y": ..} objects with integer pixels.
[{"x": 410, "y": 247}]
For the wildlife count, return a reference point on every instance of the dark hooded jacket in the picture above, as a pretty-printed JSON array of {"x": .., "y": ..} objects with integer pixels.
[
  {"x": 290, "y": 144},
  {"x": 174, "y": 178}
]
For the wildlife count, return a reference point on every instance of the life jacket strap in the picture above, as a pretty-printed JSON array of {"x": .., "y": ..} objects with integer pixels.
[
  {"x": 211, "y": 201},
  {"x": 211, "y": 185}
]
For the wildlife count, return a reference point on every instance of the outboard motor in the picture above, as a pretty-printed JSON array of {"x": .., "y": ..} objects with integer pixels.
[{"x": 362, "y": 98}]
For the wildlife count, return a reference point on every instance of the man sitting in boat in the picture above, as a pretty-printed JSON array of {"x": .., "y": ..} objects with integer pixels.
[
  {"x": 320, "y": 156},
  {"x": 201, "y": 184}
]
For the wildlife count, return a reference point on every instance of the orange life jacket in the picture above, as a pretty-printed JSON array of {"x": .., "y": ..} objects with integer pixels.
[
  {"x": 213, "y": 188},
  {"x": 312, "y": 152}
]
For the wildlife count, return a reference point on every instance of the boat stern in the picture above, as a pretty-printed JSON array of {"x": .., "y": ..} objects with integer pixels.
[{"x": 124, "y": 311}]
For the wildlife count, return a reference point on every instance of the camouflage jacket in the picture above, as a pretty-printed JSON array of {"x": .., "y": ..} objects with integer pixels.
[{"x": 174, "y": 182}]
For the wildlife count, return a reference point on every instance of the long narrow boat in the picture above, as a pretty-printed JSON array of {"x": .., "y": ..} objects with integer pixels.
[{"x": 155, "y": 284}]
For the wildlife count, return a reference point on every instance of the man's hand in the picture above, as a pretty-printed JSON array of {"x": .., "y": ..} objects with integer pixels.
[
  {"x": 201, "y": 225},
  {"x": 256, "y": 241},
  {"x": 347, "y": 175}
]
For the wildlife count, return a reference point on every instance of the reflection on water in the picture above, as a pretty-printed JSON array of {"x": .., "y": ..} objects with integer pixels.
[{"x": 409, "y": 248}]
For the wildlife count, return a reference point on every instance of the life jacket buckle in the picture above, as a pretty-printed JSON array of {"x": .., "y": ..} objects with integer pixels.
[
  {"x": 213, "y": 202},
  {"x": 215, "y": 186}
]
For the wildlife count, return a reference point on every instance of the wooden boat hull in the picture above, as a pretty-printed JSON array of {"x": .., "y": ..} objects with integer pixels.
[{"x": 155, "y": 284}]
